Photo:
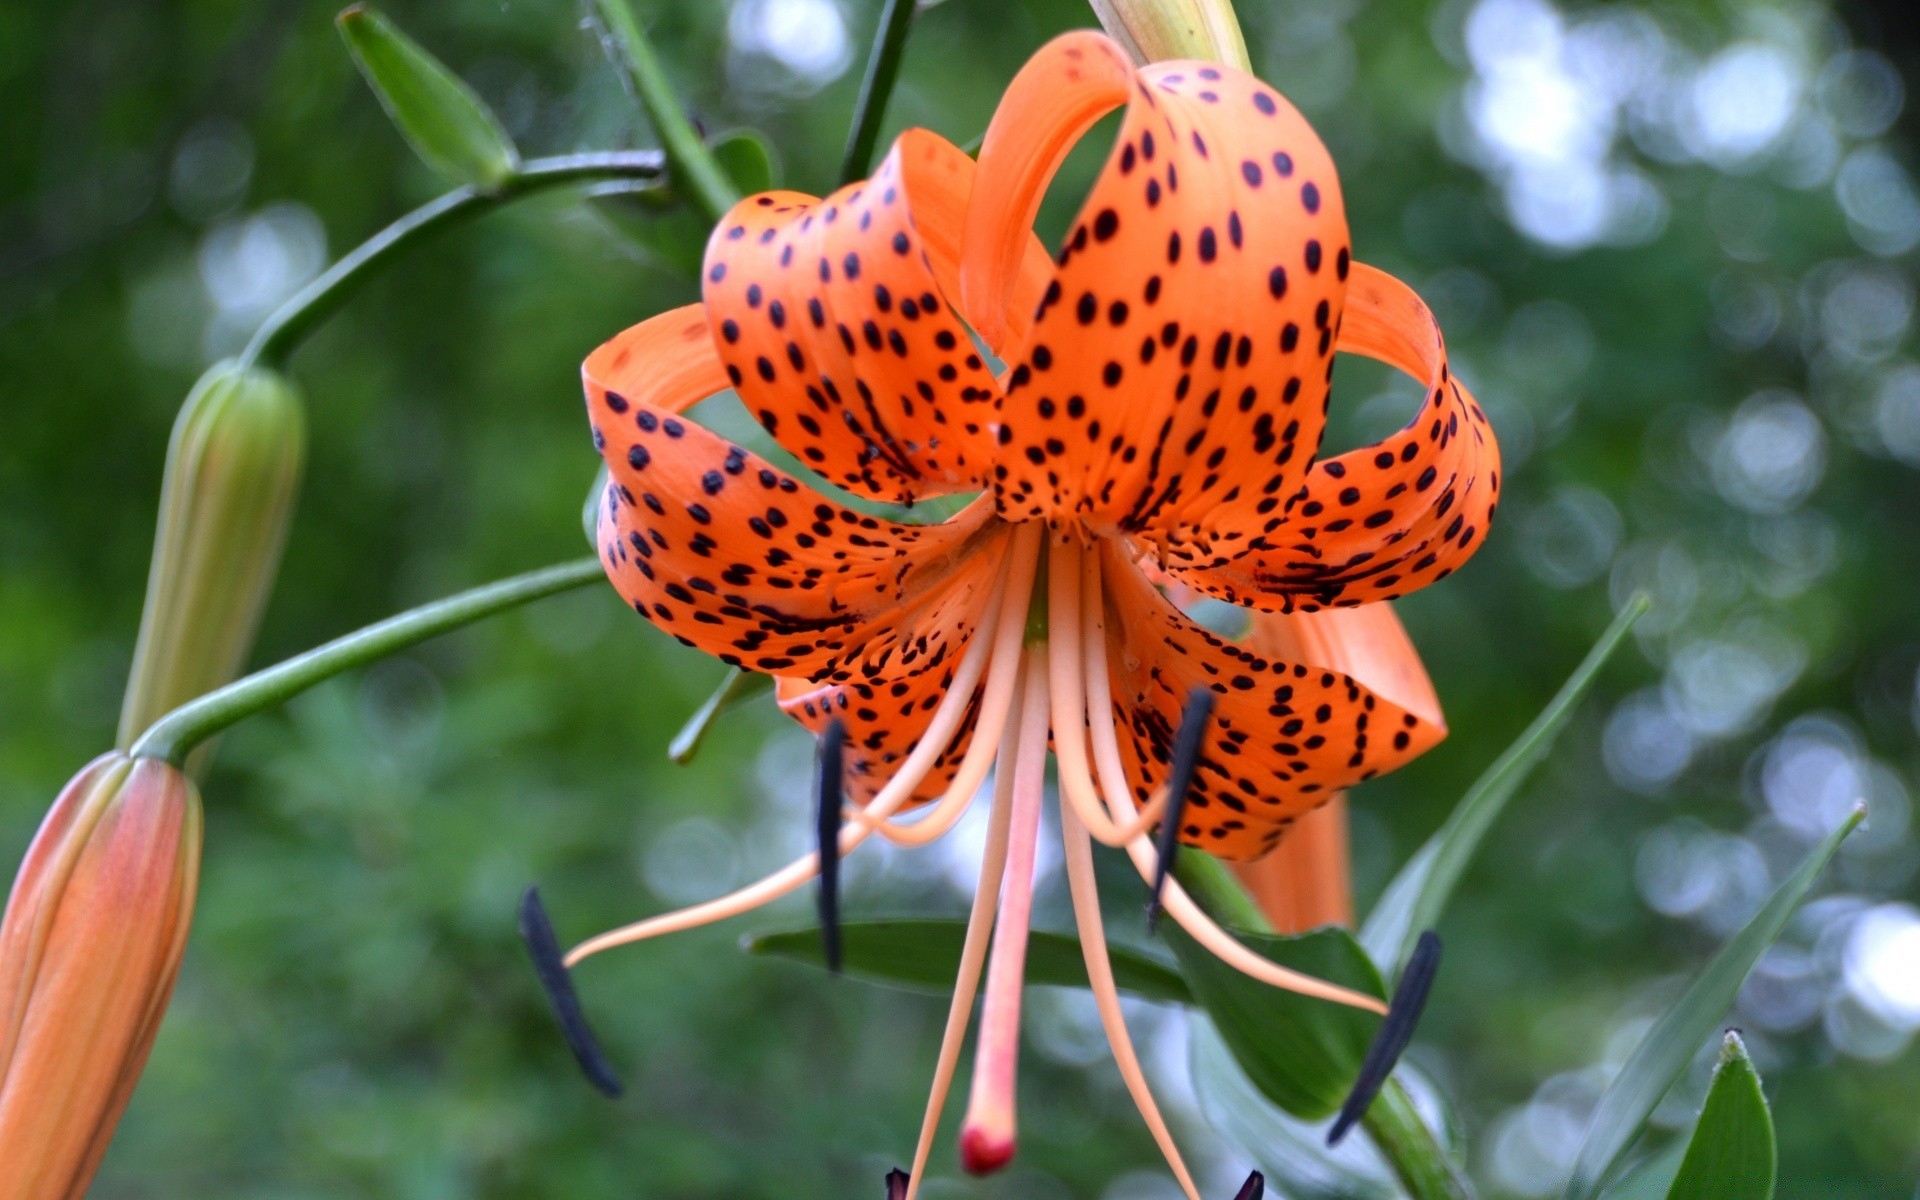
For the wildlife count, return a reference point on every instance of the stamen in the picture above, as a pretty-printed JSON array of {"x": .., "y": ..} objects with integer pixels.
[
  {"x": 1112, "y": 776},
  {"x": 996, "y": 701},
  {"x": 1186, "y": 756},
  {"x": 797, "y": 874},
  {"x": 1066, "y": 686},
  {"x": 831, "y": 801},
  {"x": 1093, "y": 945},
  {"x": 987, "y": 1134},
  {"x": 897, "y": 1184},
  {"x": 1390, "y": 1041},
  {"x": 973, "y": 952},
  {"x": 537, "y": 931},
  {"x": 1253, "y": 1189}
]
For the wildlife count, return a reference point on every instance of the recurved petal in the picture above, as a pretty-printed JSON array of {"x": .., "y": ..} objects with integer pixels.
[
  {"x": 720, "y": 549},
  {"x": 1285, "y": 735},
  {"x": 832, "y": 320},
  {"x": 1180, "y": 359},
  {"x": 1374, "y": 523},
  {"x": 885, "y": 719}
]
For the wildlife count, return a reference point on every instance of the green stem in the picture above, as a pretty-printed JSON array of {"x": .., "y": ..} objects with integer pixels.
[
  {"x": 298, "y": 317},
  {"x": 883, "y": 68},
  {"x": 691, "y": 163},
  {"x": 1217, "y": 892},
  {"x": 177, "y": 733},
  {"x": 1410, "y": 1148}
]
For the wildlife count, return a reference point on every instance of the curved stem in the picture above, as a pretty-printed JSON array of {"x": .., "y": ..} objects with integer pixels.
[
  {"x": 1410, "y": 1147},
  {"x": 883, "y": 68},
  {"x": 691, "y": 163},
  {"x": 276, "y": 338},
  {"x": 177, "y": 733}
]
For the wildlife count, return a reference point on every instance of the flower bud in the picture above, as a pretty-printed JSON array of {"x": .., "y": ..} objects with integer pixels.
[
  {"x": 1157, "y": 30},
  {"x": 446, "y": 123},
  {"x": 89, "y": 948},
  {"x": 233, "y": 466}
]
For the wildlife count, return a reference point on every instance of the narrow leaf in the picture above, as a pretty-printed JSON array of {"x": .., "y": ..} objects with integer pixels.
[
  {"x": 747, "y": 158},
  {"x": 1670, "y": 1045},
  {"x": 1418, "y": 895},
  {"x": 736, "y": 687},
  {"x": 922, "y": 955},
  {"x": 1732, "y": 1155},
  {"x": 448, "y": 126},
  {"x": 883, "y": 67},
  {"x": 1302, "y": 1053}
]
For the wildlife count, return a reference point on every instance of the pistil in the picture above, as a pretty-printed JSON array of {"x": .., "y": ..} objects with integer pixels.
[{"x": 987, "y": 1135}]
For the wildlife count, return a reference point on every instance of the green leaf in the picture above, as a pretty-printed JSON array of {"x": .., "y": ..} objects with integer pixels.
[
  {"x": 883, "y": 69},
  {"x": 447, "y": 125},
  {"x": 735, "y": 687},
  {"x": 1419, "y": 893},
  {"x": 1300, "y": 1052},
  {"x": 1670, "y": 1045},
  {"x": 747, "y": 158},
  {"x": 923, "y": 955},
  {"x": 1732, "y": 1155},
  {"x": 1292, "y": 1153}
]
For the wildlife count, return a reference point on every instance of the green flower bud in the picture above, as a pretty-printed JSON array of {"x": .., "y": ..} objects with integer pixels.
[
  {"x": 448, "y": 126},
  {"x": 233, "y": 467},
  {"x": 1156, "y": 30}
]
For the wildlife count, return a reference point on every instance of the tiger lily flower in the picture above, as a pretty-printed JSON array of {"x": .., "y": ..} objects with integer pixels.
[{"x": 1158, "y": 422}]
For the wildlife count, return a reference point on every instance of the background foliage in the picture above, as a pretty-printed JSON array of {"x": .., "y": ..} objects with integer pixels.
[{"x": 1671, "y": 246}]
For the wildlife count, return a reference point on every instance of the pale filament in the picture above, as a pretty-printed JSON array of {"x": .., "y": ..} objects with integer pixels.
[
  {"x": 1066, "y": 686},
  {"x": 1112, "y": 774},
  {"x": 940, "y": 731},
  {"x": 987, "y": 1133},
  {"x": 996, "y": 701},
  {"x": 1093, "y": 944},
  {"x": 973, "y": 953}
]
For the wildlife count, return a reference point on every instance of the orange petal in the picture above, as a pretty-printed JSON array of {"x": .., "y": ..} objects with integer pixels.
[
  {"x": 1285, "y": 735},
  {"x": 1367, "y": 642},
  {"x": 830, "y": 319},
  {"x": 718, "y": 548},
  {"x": 1307, "y": 881},
  {"x": 1180, "y": 360},
  {"x": 887, "y": 715},
  {"x": 1382, "y": 521}
]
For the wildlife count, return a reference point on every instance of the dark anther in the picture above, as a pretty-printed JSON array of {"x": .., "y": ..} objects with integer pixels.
[
  {"x": 1254, "y": 1188},
  {"x": 1186, "y": 755},
  {"x": 1394, "y": 1034},
  {"x": 558, "y": 983},
  {"x": 897, "y": 1184},
  {"x": 833, "y": 745}
]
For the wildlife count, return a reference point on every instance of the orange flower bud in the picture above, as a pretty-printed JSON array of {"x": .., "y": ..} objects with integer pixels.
[{"x": 89, "y": 948}]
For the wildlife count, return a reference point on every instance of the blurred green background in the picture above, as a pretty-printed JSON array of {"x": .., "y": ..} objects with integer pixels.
[{"x": 1672, "y": 249}]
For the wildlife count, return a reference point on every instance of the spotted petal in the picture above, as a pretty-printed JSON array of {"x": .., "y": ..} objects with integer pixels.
[
  {"x": 885, "y": 719},
  {"x": 731, "y": 555},
  {"x": 1286, "y": 733},
  {"x": 1180, "y": 359},
  {"x": 832, "y": 318},
  {"x": 1374, "y": 523}
]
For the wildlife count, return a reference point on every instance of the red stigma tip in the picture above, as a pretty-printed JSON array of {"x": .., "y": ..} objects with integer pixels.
[{"x": 983, "y": 1153}]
